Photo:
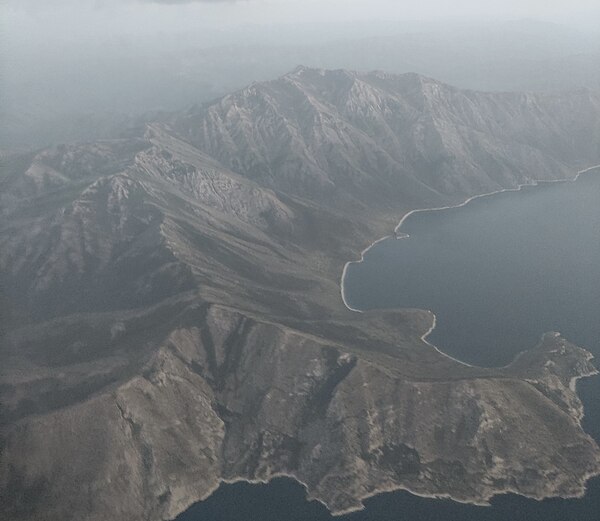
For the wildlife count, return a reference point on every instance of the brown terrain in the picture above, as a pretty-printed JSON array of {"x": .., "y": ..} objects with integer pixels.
[{"x": 172, "y": 318}]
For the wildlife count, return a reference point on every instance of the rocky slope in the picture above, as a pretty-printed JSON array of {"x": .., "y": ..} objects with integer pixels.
[
  {"x": 171, "y": 314},
  {"x": 384, "y": 138}
]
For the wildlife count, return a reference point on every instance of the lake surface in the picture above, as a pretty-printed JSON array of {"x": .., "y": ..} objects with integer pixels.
[{"x": 497, "y": 272}]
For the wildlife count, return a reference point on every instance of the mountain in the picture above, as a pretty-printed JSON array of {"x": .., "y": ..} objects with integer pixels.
[
  {"x": 63, "y": 91},
  {"x": 172, "y": 318},
  {"x": 365, "y": 138}
]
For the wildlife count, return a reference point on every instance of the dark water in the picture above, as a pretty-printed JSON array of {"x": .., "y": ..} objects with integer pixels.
[
  {"x": 498, "y": 273},
  {"x": 285, "y": 500}
]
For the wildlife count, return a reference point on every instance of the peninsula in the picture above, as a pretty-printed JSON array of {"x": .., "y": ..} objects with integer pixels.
[{"x": 172, "y": 319}]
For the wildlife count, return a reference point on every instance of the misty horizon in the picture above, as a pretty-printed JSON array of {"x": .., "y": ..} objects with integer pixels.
[{"x": 82, "y": 70}]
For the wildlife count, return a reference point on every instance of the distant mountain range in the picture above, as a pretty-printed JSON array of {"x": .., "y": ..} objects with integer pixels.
[
  {"x": 61, "y": 91},
  {"x": 171, "y": 309}
]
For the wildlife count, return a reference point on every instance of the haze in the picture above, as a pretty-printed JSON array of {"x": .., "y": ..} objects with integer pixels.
[
  {"x": 161, "y": 13},
  {"x": 86, "y": 69}
]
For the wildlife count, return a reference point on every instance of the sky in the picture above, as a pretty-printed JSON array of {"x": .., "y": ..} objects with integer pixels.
[
  {"x": 64, "y": 56},
  {"x": 151, "y": 15}
]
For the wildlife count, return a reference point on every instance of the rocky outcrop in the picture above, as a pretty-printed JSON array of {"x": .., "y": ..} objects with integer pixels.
[{"x": 228, "y": 397}]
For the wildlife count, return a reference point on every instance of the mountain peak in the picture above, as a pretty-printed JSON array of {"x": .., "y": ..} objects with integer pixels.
[
  {"x": 339, "y": 81},
  {"x": 303, "y": 71}
]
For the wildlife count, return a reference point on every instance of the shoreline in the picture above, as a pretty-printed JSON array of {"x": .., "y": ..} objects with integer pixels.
[
  {"x": 390, "y": 489},
  {"x": 484, "y": 501},
  {"x": 398, "y": 235}
]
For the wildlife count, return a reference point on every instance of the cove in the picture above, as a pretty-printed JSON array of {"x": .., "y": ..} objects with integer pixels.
[{"x": 497, "y": 272}]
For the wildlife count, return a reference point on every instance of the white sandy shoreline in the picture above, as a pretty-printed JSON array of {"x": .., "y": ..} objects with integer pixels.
[{"x": 398, "y": 235}]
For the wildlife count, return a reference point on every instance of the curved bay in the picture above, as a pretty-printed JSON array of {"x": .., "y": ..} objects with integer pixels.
[{"x": 497, "y": 272}]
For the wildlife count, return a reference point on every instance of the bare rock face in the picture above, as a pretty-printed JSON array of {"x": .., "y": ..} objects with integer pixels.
[
  {"x": 234, "y": 398},
  {"x": 345, "y": 135},
  {"x": 173, "y": 317}
]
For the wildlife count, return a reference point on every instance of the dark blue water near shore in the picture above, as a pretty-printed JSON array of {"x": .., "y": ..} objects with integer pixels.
[
  {"x": 285, "y": 500},
  {"x": 498, "y": 273}
]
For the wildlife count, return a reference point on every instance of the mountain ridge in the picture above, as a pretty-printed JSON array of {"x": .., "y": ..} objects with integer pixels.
[
  {"x": 176, "y": 320},
  {"x": 418, "y": 125}
]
